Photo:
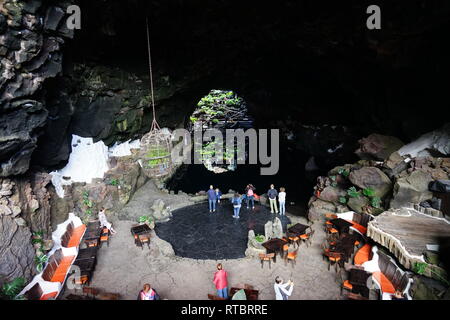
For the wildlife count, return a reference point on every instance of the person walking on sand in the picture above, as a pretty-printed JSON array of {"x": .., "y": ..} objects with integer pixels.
[
  {"x": 236, "y": 200},
  {"x": 272, "y": 195},
  {"x": 282, "y": 201},
  {"x": 283, "y": 290},
  {"x": 221, "y": 282},
  {"x": 212, "y": 198},
  {"x": 104, "y": 222},
  {"x": 250, "y": 196}
]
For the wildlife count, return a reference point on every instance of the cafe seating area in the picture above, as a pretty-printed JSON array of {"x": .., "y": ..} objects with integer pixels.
[
  {"x": 68, "y": 237},
  {"x": 288, "y": 246},
  {"x": 356, "y": 259}
]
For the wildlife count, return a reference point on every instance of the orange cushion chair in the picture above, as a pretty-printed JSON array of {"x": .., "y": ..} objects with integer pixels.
[
  {"x": 363, "y": 254},
  {"x": 76, "y": 236},
  {"x": 386, "y": 285},
  {"x": 48, "y": 296}
]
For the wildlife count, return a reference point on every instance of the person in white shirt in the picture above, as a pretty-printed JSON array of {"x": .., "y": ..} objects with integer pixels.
[
  {"x": 282, "y": 201},
  {"x": 283, "y": 290},
  {"x": 104, "y": 222}
]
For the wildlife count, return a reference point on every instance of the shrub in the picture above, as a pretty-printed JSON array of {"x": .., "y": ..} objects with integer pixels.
[
  {"x": 260, "y": 238},
  {"x": 369, "y": 192},
  {"x": 145, "y": 219},
  {"x": 343, "y": 200},
  {"x": 11, "y": 289},
  {"x": 353, "y": 193}
]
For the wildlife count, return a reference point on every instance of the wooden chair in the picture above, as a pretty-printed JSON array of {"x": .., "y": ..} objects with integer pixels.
[
  {"x": 334, "y": 258},
  {"x": 104, "y": 237},
  {"x": 144, "y": 238},
  {"x": 81, "y": 280},
  {"x": 293, "y": 238},
  {"x": 266, "y": 257},
  {"x": 89, "y": 291},
  {"x": 332, "y": 234},
  {"x": 355, "y": 296},
  {"x": 346, "y": 285},
  {"x": 285, "y": 250},
  {"x": 307, "y": 238},
  {"x": 325, "y": 251},
  {"x": 291, "y": 256}
]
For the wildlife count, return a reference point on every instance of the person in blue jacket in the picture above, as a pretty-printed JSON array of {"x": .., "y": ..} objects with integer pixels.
[
  {"x": 236, "y": 200},
  {"x": 218, "y": 195},
  {"x": 212, "y": 198}
]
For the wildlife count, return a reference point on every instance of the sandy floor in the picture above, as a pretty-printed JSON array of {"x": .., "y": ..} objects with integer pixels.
[{"x": 123, "y": 268}]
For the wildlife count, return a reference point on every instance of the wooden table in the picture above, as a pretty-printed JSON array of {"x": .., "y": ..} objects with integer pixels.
[
  {"x": 250, "y": 294},
  {"x": 298, "y": 229},
  {"x": 92, "y": 235},
  {"x": 344, "y": 245},
  {"x": 136, "y": 231},
  {"x": 342, "y": 225},
  {"x": 273, "y": 246},
  {"x": 358, "y": 279}
]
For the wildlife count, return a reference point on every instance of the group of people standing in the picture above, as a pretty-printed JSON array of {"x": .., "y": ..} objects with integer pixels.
[{"x": 214, "y": 196}]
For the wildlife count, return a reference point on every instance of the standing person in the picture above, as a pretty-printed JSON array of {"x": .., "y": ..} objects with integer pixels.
[
  {"x": 104, "y": 222},
  {"x": 272, "y": 194},
  {"x": 221, "y": 282},
  {"x": 236, "y": 201},
  {"x": 147, "y": 293},
  {"x": 282, "y": 201},
  {"x": 250, "y": 196},
  {"x": 212, "y": 198},
  {"x": 282, "y": 292},
  {"x": 218, "y": 195}
]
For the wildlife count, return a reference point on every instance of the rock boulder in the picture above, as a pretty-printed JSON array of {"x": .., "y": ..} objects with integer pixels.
[
  {"x": 378, "y": 147},
  {"x": 411, "y": 189},
  {"x": 371, "y": 177}
]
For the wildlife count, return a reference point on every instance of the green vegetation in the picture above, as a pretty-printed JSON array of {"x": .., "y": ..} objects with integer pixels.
[
  {"x": 89, "y": 204},
  {"x": 157, "y": 156},
  {"x": 375, "y": 202},
  {"x": 11, "y": 289},
  {"x": 369, "y": 192},
  {"x": 353, "y": 193},
  {"x": 145, "y": 219},
  {"x": 344, "y": 172},
  {"x": 114, "y": 182},
  {"x": 40, "y": 262},
  {"x": 38, "y": 238},
  {"x": 260, "y": 238},
  {"x": 343, "y": 200}
]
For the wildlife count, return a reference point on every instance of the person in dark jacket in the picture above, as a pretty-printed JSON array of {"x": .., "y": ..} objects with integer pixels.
[
  {"x": 272, "y": 195},
  {"x": 218, "y": 195},
  {"x": 236, "y": 200},
  {"x": 212, "y": 198}
]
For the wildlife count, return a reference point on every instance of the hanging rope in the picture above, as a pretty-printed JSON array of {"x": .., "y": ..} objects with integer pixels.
[{"x": 155, "y": 125}]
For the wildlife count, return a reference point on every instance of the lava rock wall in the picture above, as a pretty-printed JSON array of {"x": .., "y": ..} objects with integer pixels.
[{"x": 32, "y": 34}]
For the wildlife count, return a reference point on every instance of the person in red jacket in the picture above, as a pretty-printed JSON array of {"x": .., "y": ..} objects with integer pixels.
[{"x": 220, "y": 281}]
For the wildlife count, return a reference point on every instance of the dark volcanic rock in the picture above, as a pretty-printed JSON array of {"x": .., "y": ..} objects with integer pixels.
[
  {"x": 29, "y": 55},
  {"x": 16, "y": 252}
]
